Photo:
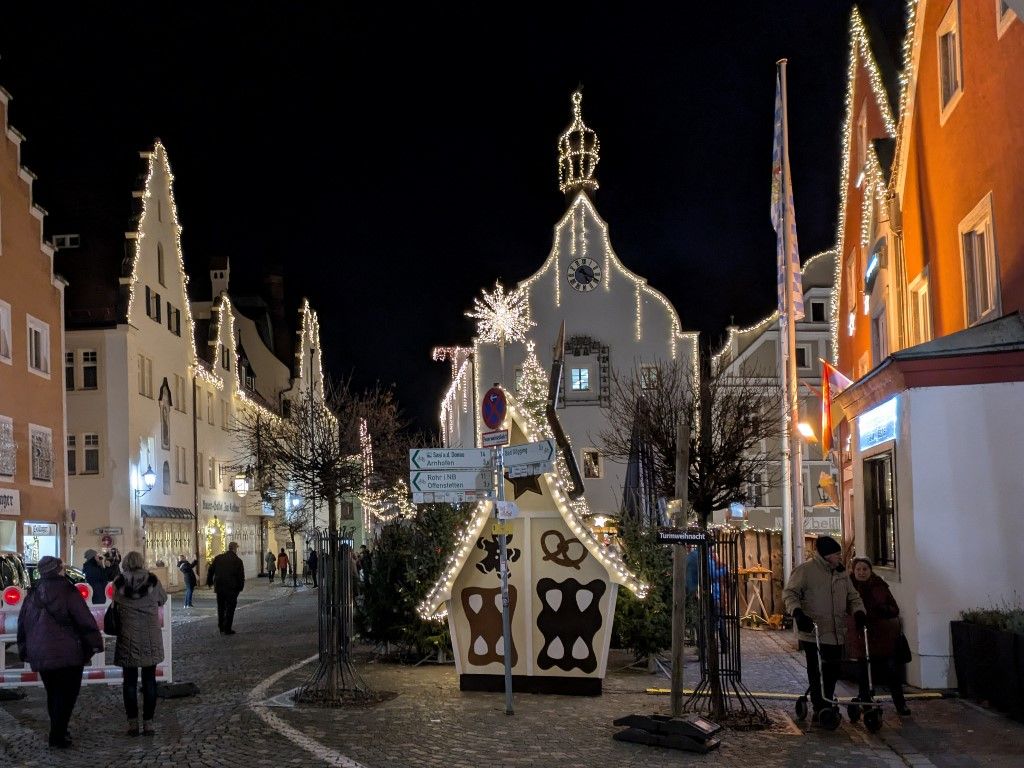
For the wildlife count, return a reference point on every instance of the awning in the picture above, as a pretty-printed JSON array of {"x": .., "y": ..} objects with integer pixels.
[{"x": 167, "y": 513}]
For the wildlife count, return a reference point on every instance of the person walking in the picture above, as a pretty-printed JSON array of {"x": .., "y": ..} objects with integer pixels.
[
  {"x": 188, "y": 571},
  {"x": 819, "y": 593},
  {"x": 282, "y": 564},
  {"x": 97, "y": 575},
  {"x": 138, "y": 595},
  {"x": 311, "y": 564},
  {"x": 883, "y": 625},
  {"x": 57, "y": 635},
  {"x": 271, "y": 561},
  {"x": 227, "y": 577}
]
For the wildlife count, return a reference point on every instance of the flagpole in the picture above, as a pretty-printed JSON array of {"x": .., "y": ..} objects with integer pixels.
[
  {"x": 787, "y": 501},
  {"x": 796, "y": 470}
]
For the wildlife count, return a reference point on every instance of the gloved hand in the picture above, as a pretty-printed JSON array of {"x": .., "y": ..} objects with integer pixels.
[
  {"x": 803, "y": 621},
  {"x": 861, "y": 620}
]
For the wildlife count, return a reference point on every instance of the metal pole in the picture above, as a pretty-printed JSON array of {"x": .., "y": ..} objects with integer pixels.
[
  {"x": 506, "y": 624},
  {"x": 679, "y": 565},
  {"x": 196, "y": 469},
  {"x": 791, "y": 394},
  {"x": 787, "y": 499}
]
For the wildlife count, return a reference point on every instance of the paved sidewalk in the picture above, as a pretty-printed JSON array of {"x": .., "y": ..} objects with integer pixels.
[{"x": 431, "y": 723}]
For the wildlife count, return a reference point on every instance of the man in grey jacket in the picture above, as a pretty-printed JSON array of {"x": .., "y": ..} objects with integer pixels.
[
  {"x": 227, "y": 577},
  {"x": 820, "y": 593}
]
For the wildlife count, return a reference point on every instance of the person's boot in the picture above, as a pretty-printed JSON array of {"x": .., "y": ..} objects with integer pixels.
[
  {"x": 147, "y": 728},
  {"x": 133, "y": 727}
]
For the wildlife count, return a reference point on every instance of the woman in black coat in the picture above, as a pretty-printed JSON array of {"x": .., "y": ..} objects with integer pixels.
[{"x": 57, "y": 635}]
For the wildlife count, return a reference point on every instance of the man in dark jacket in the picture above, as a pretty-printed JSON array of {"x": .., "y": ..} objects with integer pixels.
[
  {"x": 311, "y": 564},
  {"x": 227, "y": 577},
  {"x": 56, "y": 636},
  {"x": 97, "y": 574}
]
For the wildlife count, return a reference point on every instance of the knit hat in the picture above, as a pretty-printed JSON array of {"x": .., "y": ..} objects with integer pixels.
[
  {"x": 826, "y": 546},
  {"x": 48, "y": 565},
  {"x": 89, "y": 554}
]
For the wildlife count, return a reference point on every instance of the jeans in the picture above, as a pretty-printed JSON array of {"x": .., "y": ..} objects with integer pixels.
[
  {"x": 188, "y": 594},
  {"x": 830, "y": 656},
  {"x": 312, "y": 573},
  {"x": 129, "y": 688},
  {"x": 62, "y": 687},
  {"x": 284, "y": 572},
  {"x": 226, "y": 602}
]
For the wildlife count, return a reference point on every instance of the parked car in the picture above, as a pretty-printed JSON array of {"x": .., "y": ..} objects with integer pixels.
[{"x": 12, "y": 571}]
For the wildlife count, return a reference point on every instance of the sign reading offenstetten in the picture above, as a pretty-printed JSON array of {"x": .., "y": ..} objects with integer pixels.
[
  {"x": 443, "y": 458},
  {"x": 451, "y": 482}
]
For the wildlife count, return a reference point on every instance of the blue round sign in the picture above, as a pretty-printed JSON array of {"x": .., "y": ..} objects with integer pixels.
[{"x": 493, "y": 408}]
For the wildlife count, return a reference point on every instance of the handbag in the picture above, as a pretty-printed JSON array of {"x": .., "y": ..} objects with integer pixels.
[
  {"x": 903, "y": 655},
  {"x": 112, "y": 620}
]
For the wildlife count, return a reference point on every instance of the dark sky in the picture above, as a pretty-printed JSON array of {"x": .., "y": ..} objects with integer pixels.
[{"x": 397, "y": 159}]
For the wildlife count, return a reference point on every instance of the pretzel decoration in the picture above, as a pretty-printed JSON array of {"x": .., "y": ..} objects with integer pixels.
[{"x": 560, "y": 555}]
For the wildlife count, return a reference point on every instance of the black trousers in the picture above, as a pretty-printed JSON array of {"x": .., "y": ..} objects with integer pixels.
[
  {"x": 226, "y": 602},
  {"x": 62, "y": 687},
  {"x": 130, "y": 693},
  {"x": 829, "y": 672},
  {"x": 886, "y": 672}
]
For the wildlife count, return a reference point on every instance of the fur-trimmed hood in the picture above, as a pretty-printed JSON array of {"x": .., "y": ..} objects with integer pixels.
[{"x": 135, "y": 584}]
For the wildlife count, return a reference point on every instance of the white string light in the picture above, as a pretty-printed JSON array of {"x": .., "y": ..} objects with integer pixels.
[
  {"x": 578, "y": 152},
  {"x": 501, "y": 317}
]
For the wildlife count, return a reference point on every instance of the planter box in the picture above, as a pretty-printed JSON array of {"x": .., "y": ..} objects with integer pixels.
[{"x": 989, "y": 666}]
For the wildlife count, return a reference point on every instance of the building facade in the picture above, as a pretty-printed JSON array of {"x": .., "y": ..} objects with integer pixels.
[
  {"x": 928, "y": 321},
  {"x": 753, "y": 354},
  {"x": 33, "y": 489}
]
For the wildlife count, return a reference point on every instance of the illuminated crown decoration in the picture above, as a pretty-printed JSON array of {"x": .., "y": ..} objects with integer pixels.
[{"x": 577, "y": 153}]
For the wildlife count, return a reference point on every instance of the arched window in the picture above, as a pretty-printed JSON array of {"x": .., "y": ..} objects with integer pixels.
[
  {"x": 167, "y": 479},
  {"x": 165, "y": 416},
  {"x": 160, "y": 264}
]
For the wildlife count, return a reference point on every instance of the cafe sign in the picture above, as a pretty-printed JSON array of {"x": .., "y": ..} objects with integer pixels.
[{"x": 10, "y": 501}]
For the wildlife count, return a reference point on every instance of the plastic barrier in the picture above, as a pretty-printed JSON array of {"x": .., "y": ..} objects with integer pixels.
[{"x": 97, "y": 671}]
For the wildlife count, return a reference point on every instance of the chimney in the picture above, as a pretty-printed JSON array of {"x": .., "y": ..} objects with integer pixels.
[
  {"x": 220, "y": 272},
  {"x": 274, "y": 288}
]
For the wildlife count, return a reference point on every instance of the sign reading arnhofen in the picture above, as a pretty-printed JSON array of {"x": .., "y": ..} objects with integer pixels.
[
  {"x": 10, "y": 501},
  {"x": 219, "y": 506}
]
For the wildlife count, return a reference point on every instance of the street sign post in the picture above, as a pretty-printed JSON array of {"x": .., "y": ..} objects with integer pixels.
[
  {"x": 448, "y": 459},
  {"x": 493, "y": 407},
  {"x": 542, "y": 452}
]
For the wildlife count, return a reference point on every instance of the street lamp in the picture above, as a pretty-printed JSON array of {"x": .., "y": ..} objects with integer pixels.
[
  {"x": 807, "y": 431},
  {"x": 242, "y": 483},
  {"x": 149, "y": 480}
]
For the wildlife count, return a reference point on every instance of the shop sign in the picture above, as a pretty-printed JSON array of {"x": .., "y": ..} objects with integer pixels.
[
  {"x": 877, "y": 425},
  {"x": 220, "y": 506},
  {"x": 10, "y": 502}
]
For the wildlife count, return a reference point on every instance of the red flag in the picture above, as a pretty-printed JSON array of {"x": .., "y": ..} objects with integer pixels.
[{"x": 832, "y": 383}]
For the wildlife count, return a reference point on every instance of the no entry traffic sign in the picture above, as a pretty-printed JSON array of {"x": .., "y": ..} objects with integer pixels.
[{"x": 493, "y": 407}]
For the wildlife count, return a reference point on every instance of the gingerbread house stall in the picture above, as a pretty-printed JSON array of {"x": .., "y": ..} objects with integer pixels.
[{"x": 563, "y": 584}]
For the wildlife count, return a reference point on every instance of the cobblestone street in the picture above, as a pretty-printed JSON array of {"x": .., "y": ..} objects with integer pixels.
[{"x": 430, "y": 723}]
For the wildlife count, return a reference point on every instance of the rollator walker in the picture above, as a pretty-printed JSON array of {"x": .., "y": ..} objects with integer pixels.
[{"x": 829, "y": 717}]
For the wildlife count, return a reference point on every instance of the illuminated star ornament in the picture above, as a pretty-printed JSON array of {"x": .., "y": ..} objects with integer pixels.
[{"x": 501, "y": 317}]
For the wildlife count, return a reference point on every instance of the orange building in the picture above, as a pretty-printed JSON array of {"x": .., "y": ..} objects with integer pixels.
[
  {"x": 33, "y": 485},
  {"x": 930, "y": 236}
]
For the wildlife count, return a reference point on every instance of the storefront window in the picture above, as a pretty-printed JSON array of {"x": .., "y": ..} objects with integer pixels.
[{"x": 880, "y": 510}]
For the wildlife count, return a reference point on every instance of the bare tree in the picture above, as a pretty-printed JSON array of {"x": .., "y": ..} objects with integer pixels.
[{"x": 730, "y": 415}]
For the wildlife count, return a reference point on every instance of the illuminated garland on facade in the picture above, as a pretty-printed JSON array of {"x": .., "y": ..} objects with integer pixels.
[{"x": 860, "y": 50}]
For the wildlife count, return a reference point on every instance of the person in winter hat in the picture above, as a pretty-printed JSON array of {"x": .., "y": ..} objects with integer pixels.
[
  {"x": 97, "y": 574},
  {"x": 188, "y": 572},
  {"x": 138, "y": 596},
  {"x": 57, "y": 635},
  {"x": 819, "y": 593}
]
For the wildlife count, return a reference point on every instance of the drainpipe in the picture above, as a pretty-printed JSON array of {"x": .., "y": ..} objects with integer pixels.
[{"x": 196, "y": 469}]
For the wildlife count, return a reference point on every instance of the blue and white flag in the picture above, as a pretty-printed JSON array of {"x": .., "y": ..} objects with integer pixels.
[{"x": 784, "y": 215}]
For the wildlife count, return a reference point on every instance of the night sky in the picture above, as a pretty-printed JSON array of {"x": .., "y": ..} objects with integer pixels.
[{"x": 394, "y": 160}]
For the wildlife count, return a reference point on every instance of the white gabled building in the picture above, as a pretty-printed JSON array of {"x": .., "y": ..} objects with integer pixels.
[
  {"x": 614, "y": 321},
  {"x": 753, "y": 353}
]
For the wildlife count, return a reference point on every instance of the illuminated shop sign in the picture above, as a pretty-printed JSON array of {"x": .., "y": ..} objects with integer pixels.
[{"x": 878, "y": 425}]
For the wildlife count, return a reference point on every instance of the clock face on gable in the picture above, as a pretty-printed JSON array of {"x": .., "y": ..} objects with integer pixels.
[{"x": 584, "y": 274}]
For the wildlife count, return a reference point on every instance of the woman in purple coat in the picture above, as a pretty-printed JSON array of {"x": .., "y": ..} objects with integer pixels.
[
  {"x": 57, "y": 635},
  {"x": 883, "y": 625}
]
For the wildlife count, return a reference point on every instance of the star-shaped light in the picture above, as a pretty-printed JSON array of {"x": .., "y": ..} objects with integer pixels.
[{"x": 501, "y": 317}]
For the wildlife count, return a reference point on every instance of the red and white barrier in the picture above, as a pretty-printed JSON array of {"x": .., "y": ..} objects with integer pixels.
[{"x": 97, "y": 671}]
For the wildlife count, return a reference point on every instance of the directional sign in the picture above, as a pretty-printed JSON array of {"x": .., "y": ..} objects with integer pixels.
[
  {"x": 670, "y": 536},
  {"x": 491, "y": 439},
  {"x": 506, "y": 510},
  {"x": 501, "y": 529},
  {"x": 450, "y": 482},
  {"x": 493, "y": 407},
  {"x": 443, "y": 458},
  {"x": 530, "y": 453},
  {"x": 459, "y": 497},
  {"x": 527, "y": 470}
]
